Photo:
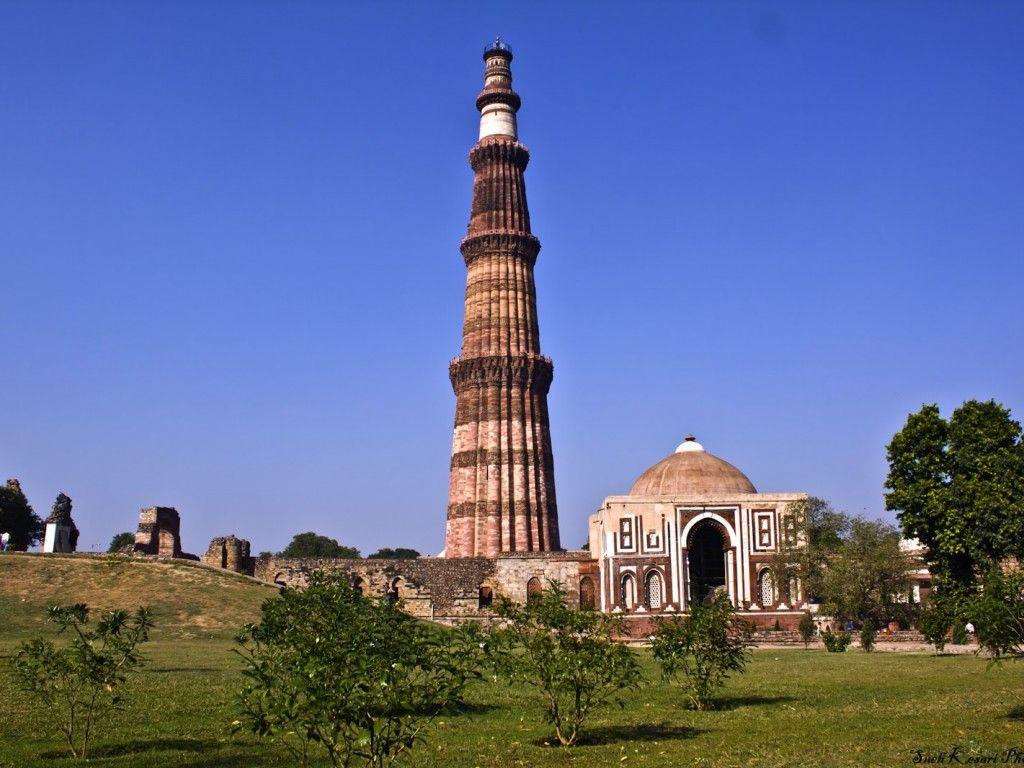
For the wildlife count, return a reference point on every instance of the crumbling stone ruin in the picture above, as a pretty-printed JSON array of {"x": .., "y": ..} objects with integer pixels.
[
  {"x": 159, "y": 532},
  {"x": 230, "y": 553},
  {"x": 61, "y": 532},
  {"x": 446, "y": 590}
]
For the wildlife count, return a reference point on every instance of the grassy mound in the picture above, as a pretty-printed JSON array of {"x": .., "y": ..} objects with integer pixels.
[{"x": 189, "y": 600}]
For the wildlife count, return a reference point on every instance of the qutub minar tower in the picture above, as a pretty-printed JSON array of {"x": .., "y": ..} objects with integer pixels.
[{"x": 501, "y": 496}]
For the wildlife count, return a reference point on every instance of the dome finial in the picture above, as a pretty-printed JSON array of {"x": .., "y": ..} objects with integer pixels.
[{"x": 690, "y": 445}]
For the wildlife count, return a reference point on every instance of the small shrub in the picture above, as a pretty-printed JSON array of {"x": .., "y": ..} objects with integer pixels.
[
  {"x": 867, "y": 636},
  {"x": 569, "y": 654},
  {"x": 806, "y": 628},
  {"x": 327, "y": 669},
  {"x": 960, "y": 636},
  {"x": 777, "y": 627},
  {"x": 121, "y": 541},
  {"x": 703, "y": 648},
  {"x": 835, "y": 642},
  {"x": 934, "y": 624},
  {"x": 81, "y": 682}
]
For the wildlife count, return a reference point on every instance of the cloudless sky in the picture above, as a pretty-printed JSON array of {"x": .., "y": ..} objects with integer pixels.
[{"x": 231, "y": 279}]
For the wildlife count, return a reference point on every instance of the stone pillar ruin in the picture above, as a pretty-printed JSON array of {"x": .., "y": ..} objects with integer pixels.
[{"x": 159, "y": 532}]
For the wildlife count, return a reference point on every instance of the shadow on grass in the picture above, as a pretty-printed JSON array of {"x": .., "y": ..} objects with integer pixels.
[
  {"x": 735, "y": 702},
  {"x": 1017, "y": 713},
  {"x": 466, "y": 708},
  {"x": 139, "y": 746},
  {"x": 614, "y": 734}
]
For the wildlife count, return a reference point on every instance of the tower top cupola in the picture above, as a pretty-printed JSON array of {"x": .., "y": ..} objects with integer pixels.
[{"x": 497, "y": 102}]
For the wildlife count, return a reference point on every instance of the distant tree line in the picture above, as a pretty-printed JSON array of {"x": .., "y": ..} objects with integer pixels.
[{"x": 313, "y": 545}]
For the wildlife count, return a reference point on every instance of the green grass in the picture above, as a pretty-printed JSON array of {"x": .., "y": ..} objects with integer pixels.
[{"x": 792, "y": 708}]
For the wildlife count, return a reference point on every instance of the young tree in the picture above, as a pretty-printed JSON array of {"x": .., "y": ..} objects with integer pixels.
[
  {"x": 120, "y": 541},
  {"x": 398, "y": 553},
  {"x": 934, "y": 623},
  {"x": 82, "y": 681},
  {"x": 310, "y": 545},
  {"x": 998, "y": 614},
  {"x": 866, "y": 574},
  {"x": 812, "y": 532},
  {"x": 17, "y": 517},
  {"x": 327, "y": 669},
  {"x": 867, "y": 636},
  {"x": 957, "y": 486},
  {"x": 806, "y": 628},
  {"x": 702, "y": 649},
  {"x": 569, "y": 654}
]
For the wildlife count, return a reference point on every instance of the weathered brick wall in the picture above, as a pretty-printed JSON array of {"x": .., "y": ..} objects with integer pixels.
[
  {"x": 159, "y": 532},
  {"x": 444, "y": 590},
  {"x": 230, "y": 553}
]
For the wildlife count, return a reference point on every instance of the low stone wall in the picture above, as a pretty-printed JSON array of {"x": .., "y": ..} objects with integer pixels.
[{"x": 439, "y": 589}]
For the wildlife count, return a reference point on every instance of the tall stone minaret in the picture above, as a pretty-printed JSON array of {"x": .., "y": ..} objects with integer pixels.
[{"x": 501, "y": 496}]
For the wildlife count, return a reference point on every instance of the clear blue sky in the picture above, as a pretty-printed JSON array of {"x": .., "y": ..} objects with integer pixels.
[{"x": 229, "y": 242}]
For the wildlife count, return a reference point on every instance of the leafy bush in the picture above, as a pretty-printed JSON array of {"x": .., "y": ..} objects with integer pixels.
[
  {"x": 570, "y": 654},
  {"x": 934, "y": 623},
  {"x": 310, "y": 544},
  {"x": 120, "y": 541},
  {"x": 998, "y": 615},
  {"x": 960, "y": 636},
  {"x": 81, "y": 682},
  {"x": 327, "y": 669},
  {"x": 806, "y": 628},
  {"x": 777, "y": 627},
  {"x": 703, "y": 648},
  {"x": 18, "y": 518},
  {"x": 867, "y": 636},
  {"x": 398, "y": 553},
  {"x": 835, "y": 642}
]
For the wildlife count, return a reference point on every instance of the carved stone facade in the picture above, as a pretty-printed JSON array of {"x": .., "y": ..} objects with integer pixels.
[
  {"x": 501, "y": 495},
  {"x": 693, "y": 524},
  {"x": 230, "y": 553}
]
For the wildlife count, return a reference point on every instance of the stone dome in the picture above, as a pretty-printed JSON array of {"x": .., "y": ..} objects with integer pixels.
[{"x": 691, "y": 471}]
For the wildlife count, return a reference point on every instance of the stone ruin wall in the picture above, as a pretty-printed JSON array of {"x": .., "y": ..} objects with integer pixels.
[
  {"x": 159, "y": 532},
  {"x": 438, "y": 589},
  {"x": 230, "y": 553}
]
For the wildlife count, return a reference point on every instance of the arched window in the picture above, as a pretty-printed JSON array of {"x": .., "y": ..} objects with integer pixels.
[
  {"x": 627, "y": 592},
  {"x": 533, "y": 589},
  {"x": 766, "y": 588},
  {"x": 653, "y": 591},
  {"x": 587, "y": 597},
  {"x": 280, "y": 579},
  {"x": 485, "y": 597}
]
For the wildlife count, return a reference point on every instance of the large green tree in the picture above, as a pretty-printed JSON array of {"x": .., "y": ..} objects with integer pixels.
[
  {"x": 812, "y": 532},
  {"x": 17, "y": 517},
  {"x": 866, "y": 574},
  {"x": 310, "y": 544},
  {"x": 957, "y": 486},
  {"x": 852, "y": 566}
]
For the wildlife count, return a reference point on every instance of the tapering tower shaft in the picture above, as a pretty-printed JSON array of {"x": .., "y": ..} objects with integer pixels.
[{"x": 501, "y": 495}]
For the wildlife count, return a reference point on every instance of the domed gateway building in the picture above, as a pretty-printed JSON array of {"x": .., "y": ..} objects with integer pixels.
[{"x": 692, "y": 524}]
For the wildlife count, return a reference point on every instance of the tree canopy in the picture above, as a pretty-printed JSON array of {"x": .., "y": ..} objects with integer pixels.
[
  {"x": 120, "y": 541},
  {"x": 398, "y": 553},
  {"x": 18, "y": 518},
  {"x": 957, "y": 485},
  {"x": 310, "y": 544},
  {"x": 853, "y": 566}
]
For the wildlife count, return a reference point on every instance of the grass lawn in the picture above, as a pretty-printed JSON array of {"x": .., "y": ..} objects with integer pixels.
[{"x": 792, "y": 707}]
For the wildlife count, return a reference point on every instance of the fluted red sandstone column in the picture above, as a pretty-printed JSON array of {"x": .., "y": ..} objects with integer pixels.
[{"x": 501, "y": 495}]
